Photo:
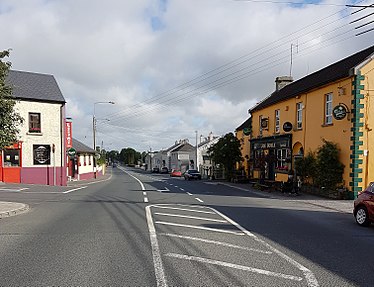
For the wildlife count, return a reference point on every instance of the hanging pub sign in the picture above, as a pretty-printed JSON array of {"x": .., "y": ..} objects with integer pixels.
[
  {"x": 42, "y": 154},
  {"x": 247, "y": 131},
  {"x": 264, "y": 123},
  {"x": 339, "y": 112},
  {"x": 287, "y": 127}
]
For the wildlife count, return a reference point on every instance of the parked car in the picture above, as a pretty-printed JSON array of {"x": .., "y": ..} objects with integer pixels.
[
  {"x": 155, "y": 170},
  {"x": 176, "y": 173},
  {"x": 164, "y": 169},
  {"x": 363, "y": 210},
  {"x": 192, "y": 174}
]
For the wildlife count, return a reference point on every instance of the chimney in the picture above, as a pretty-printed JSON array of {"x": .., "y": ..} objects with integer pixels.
[{"x": 281, "y": 82}]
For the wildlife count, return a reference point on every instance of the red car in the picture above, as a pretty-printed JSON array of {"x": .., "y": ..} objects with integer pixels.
[
  {"x": 176, "y": 173},
  {"x": 364, "y": 206}
]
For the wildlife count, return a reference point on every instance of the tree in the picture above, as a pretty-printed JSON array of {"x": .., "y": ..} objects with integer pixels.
[
  {"x": 306, "y": 167},
  {"x": 113, "y": 155},
  {"x": 226, "y": 152},
  {"x": 10, "y": 120},
  {"x": 129, "y": 156},
  {"x": 329, "y": 168}
]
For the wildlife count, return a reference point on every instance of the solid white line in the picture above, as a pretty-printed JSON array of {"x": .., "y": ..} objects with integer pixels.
[
  {"x": 157, "y": 261},
  {"x": 23, "y": 188},
  {"x": 309, "y": 276},
  {"x": 190, "y": 194},
  {"x": 184, "y": 209},
  {"x": 216, "y": 243},
  {"x": 74, "y": 189},
  {"x": 200, "y": 227},
  {"x": 145, "y": 199},
  {"x": 198, "y": 199},
  {"x": 141, "y": 184},
  {"x": 235, "y": 266},
  {"x": 191, "y": 217}
]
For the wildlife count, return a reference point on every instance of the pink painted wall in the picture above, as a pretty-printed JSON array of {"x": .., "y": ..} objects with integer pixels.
[
  {"x": 43, "y": 175},
  {"x": 88, "y": 175}
]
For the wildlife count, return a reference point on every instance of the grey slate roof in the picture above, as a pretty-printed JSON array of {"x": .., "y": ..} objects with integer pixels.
[
  {"x": 339, "y": 70},
  {"x": 34, "y": 86},
  {"x": 184, "y": 147},
  {"x": 81, "y": 147}
]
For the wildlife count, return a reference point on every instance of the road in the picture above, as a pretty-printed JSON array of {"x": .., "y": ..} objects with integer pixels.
[{"x": 141, "y": 229}]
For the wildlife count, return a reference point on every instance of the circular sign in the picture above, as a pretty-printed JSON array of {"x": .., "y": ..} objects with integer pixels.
[
  {"x": 287, "y": 127},
  {"x": 246, "y": 131},
  {"x": 339, "y": 112},
  {"x": 72, "y": 152}
]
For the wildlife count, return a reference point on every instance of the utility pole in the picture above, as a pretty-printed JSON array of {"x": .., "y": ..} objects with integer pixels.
[{"x": 196, "y": 167}]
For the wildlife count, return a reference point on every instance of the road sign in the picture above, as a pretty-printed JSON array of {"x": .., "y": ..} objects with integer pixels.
[{"x": 72, "y": 152}]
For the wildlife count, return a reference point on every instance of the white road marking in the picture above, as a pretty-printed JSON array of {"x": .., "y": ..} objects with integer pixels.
[
  {"x": 198, "y": 199},
  {"x": 199, "y": 227},
  {"x": 235, "y": 266},
  {"x": 157, "y": 261},
  {"x": 74, "y": 189},
  {"x": 181, "y": 189},
  {"x": 144, "y": 193},
  {"x": 145, "y": 199},
  {"x": 138, "y": 180},
  {"x": 310, "y": 277},
  {"x": 14, "y": 190},
  {"x": 190, "y": 194},
  {"x": 161, "y": 190},
  {"x": 216, "y": 243},
  {"x": 190, "y": 217},
  {"x": 25, "y": 188},
  {"x": 183, "y": 209}
]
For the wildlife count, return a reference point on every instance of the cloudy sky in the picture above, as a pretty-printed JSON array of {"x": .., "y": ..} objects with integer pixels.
[{"x": 173, "y": 67}]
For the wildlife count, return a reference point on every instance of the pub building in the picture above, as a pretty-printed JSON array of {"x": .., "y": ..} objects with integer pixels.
[{"x": 330, "y": 104}]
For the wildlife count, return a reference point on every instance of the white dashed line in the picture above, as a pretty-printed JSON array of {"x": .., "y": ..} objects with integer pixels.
[
  {"x": 198, "y": 199},
  {"x": 181, "y": 189},
  {"x": 145, "y": 199},
  {"x": 235, "y": 266},
  {"x": 74, "y": 189},
  {"x": 189, "y": 193},
  {"x": 144, "y": 193}
]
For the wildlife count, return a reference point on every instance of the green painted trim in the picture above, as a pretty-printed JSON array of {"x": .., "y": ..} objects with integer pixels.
[
  {"x": 353, "y": 183},
  {"x": 353, "y": 165},
  {"x": 357, "y": 179}
]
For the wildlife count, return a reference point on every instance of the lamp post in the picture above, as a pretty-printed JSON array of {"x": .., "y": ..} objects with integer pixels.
[{"x": 94, "y": 122}]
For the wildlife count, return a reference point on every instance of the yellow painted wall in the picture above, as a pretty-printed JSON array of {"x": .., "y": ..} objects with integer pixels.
[
  {"x": 368, "y": 161},
  {"x": 313, "y": 130},
  {"x": 245, "y": 147}
]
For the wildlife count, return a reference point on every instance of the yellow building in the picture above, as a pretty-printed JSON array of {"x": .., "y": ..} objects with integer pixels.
[
  {"x": 242, "y": 134},
  {"x": 335, "y": 104}
]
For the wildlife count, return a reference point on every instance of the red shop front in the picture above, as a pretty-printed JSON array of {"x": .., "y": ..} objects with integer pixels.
[{"x": 11, "y": 163}]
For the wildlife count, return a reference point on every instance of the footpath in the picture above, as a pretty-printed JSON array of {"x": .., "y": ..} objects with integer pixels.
[{"x": 344, "y": 206}]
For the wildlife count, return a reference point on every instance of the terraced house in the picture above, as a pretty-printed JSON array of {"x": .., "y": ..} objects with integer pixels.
[{"x": 335, "y": 103}]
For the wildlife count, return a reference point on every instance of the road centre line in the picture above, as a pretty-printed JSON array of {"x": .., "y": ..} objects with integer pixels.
[
  {"x": 215, "y": 243},
  {"x": 157, "y": 261},
  {"x": 191, "y": 217},
  {"x": 235, "y": 266},
  {"x": 181, "y": 189},
  {"x": 144, "y": 193},
  {"x": 199, "y": 227},
  {"x": 184, "y": 209},
  {"x": 74, "y": 189},
  {"x": 190, "y": 194},
  {"x": 198, "y": 199},
  {"x": 309, "y": 276},
  {"x": 138, "y": 180},
  {"x": 145, "y": 199}
]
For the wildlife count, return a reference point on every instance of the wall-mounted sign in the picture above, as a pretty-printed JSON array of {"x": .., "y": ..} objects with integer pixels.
[
  {"x": 42, "y": 154},
  {"x": 72, "y": 152},
  {"x": 264, "y": 123},
  {"x": 69, "y": 134},
  {"x": 339, "y": 112},
  {"x": 287, "y": 127},
  {"x": 246, "y": 131}
]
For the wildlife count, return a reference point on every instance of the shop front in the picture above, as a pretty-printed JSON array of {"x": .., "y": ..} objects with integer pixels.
[
  {"x": 11, "y": 163},
  {"x": 271, "y": 157}
]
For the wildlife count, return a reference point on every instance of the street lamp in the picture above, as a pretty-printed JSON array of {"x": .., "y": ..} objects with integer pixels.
[{"x": 94, "y": 122}]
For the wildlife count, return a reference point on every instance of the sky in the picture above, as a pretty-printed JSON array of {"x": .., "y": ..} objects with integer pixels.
[{"x": 175, "y": 69}]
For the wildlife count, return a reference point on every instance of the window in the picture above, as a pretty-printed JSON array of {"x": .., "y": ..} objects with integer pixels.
[
  {"x": 259, "y": 124},
  {"x": 277, "y": 121},
  {"x": 11, "y": 157},
  {"x": 299, "y": 115},
  {"x": 282, "y": 156},
  {"x": 34, "y": 123},
  {"x": 328, "y": 109}
]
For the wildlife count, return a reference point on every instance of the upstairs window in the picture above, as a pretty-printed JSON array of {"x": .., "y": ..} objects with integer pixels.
[
  {"x": 328, "y": 109},
  {"x": 277, "y": 121},
  {"x": 299, "y": 116},
  {"x": 259, "y": 124},
  {"x": 34, "y": 123}
]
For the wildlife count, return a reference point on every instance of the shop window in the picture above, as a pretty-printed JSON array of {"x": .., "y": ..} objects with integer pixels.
[
  {"x": 34, "y": 123},
  {"x": 328, "y": 109},
  {"x": 259, "y": 158},
  {"x": 299, "y": 115},
  {"x": 277, "y": 121},
  {"x": 283, "y": 157},
  {"x": 11, "y": 157}
]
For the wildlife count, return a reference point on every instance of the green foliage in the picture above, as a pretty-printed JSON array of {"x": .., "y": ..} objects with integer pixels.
[
  {"x": 306, "y": 166},
  {"x": 103, "y": 157},
  {"x": 10, "y": 120},
  {"x": 330, "y": 169},
  {"x": 113, "y": 155},
  {"x": 227, "y": 153},
  {"x": 129, "y": 156}
]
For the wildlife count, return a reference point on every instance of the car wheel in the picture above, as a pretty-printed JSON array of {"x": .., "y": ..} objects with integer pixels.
[{"x": 362, "y": 216}]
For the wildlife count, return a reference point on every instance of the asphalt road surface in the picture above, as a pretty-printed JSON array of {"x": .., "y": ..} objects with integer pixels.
[{"x": 141, "y": 229}]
